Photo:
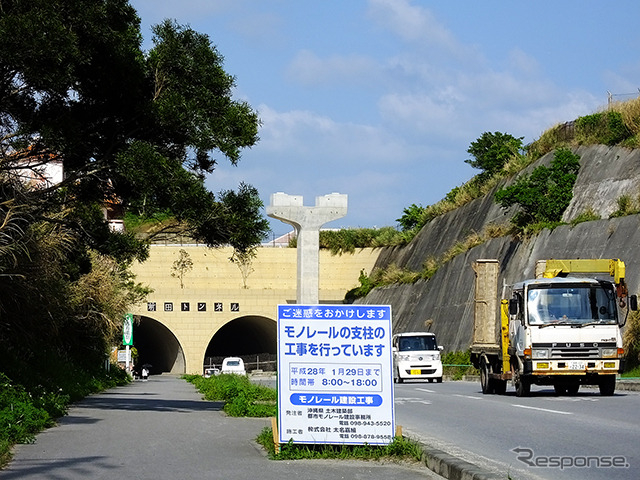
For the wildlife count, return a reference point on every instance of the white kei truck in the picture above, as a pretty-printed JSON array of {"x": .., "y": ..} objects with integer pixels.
[{"x": 562, "y": 328}]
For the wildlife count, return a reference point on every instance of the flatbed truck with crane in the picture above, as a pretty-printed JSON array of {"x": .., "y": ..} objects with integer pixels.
[{"x": 561, "y": 328}]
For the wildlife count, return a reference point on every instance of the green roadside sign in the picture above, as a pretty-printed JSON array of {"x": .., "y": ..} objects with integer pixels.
[{"x": 127, "y": 329}]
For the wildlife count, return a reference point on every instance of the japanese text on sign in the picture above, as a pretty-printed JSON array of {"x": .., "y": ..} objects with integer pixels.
[{"x": 332, "y": 358}]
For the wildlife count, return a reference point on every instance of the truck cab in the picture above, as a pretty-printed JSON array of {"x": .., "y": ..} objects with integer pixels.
[
  {"x": 566, "y": 332},
  {"x": 416, "y": 356}
]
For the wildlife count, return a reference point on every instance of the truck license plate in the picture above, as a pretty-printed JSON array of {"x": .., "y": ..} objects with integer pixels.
[
  {"x": 574, "y": 365},
  {"x": 415, "y": 371}
]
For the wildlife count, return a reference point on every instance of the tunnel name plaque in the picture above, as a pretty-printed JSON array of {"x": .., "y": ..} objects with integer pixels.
[
  {"x": 335, "y": 381},
  {"x": 200, "y": 306}
]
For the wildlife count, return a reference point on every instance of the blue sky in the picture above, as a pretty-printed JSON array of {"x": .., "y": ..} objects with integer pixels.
[{"x": 380, "y": 99}]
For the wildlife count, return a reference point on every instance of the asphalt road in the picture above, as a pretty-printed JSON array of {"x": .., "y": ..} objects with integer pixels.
[
  {"x": 579, "y": 437},
  {"x": 162, "y": 430}
]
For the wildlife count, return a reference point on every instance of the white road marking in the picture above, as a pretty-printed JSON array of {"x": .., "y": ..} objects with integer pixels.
[
  {"x": 573, "y": 399},
  {"x": 403, "y": 400},
  {"x": 467, "y": 396},
  {"x": 425, "y": 390},
  {"x": 542, "y": 409}
]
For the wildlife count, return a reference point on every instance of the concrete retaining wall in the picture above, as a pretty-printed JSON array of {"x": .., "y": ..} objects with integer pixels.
[{"x": 447, "y": 298}]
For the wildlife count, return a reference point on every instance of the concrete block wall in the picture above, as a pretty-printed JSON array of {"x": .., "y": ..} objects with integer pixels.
[{"x": 214, "y": 279}]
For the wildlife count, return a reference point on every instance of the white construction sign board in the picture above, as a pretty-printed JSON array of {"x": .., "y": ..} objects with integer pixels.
[
  {"x": 124, "y": 356},
  {"x": 335, "y": 381}
]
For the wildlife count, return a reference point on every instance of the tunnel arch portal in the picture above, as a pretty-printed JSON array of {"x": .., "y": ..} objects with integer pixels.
[
  {"x": 158, "y": 347},
  {"x": 248, "y": 337}
]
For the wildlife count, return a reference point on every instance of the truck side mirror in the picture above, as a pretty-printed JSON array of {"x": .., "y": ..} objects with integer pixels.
[
  {"x": 513, "y": 306},
  {"x": 440, "y": 347},
  {"x": 633, "y": 302}
]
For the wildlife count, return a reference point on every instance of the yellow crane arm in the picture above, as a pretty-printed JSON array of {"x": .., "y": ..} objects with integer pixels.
[{"x": 614, "y": 267}]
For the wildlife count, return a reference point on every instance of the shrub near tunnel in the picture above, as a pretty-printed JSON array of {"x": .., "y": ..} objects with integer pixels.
[{"x": 241, "y": 397}]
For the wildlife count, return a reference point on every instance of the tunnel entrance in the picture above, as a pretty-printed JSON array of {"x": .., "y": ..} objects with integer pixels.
[
  {"x": 253, "y": 338},
  {"x": 158, "y": 347}
]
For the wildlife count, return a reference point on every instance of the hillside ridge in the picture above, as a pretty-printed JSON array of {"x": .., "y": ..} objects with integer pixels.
[{"x": 606, "y": 173}]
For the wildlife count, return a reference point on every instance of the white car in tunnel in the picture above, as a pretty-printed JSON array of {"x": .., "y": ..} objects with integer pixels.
[{"x": 233, "y": 365}]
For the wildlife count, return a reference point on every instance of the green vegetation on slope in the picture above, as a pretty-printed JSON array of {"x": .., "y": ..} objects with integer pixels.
[
  {"x": 618, "y": 125},
  {"x": 393, "y": 274},
  {"x": 541, "y": 196},
  {"x": 631, "y": 341},
  {"x": 545, "y": 194}
]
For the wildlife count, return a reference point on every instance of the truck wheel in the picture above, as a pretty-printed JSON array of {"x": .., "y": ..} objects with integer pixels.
[
  {"x": 607, "y": 385},
  {"x": 560, "y": 389},
  {"x": 523, "y": 388},
  {"x": 574, "y": 388},
  {"x": 500, "y": 386},
  {"x": 439, "y": 380},
  {"x": 399, "y": 379},
  {"x": 485, "y": 381},
  {"x": 523, "y": 385}
]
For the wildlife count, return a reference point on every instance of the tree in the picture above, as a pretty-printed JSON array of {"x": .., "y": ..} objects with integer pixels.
[
  {"x": 181, "y": 266},
  {"x": 133, "y": 128},
  {"x": 544, "y": 195},
  {"x": 140, "y": 127},
  {"x": 411, "y": 217},
  {"x": 492, "y": 151},
  {"x": 244, "y": 262}
]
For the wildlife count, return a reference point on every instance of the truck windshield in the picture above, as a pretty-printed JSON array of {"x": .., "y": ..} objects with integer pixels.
[
  {"x": 413, "y": 343},
  {"x": 571, "y": 304}
]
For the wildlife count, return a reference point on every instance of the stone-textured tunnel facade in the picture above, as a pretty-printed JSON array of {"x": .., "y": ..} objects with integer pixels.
[{"x": 202, "y": 302}]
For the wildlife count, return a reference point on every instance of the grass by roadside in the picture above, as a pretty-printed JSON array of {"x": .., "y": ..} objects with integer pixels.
[
  {"x": 33, "y": 404},
  {"x": 633, "y": 373},
  {"x": 457, "y": 365},
  {"x": 400, "y": 449},
  {"x": 245, "y": 399},
  {"x": 242, "y": 398}
]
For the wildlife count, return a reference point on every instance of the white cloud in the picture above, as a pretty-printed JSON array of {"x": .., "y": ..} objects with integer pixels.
[
  {"x": 384, "y": 112},
  {"x": 309, "y": 69},
  {"x": 307, "y": 133},
  {"x": 410, "y": 22},
  {"x": 523, "y": 63},
  {"x": 418, "y": 26},
  {"x": 419, "y": 112}
]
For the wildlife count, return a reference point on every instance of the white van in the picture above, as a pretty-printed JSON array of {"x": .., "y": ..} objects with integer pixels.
[
  {"x": 416, "y": 355},
  {"x": 233, "y": 365}
]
